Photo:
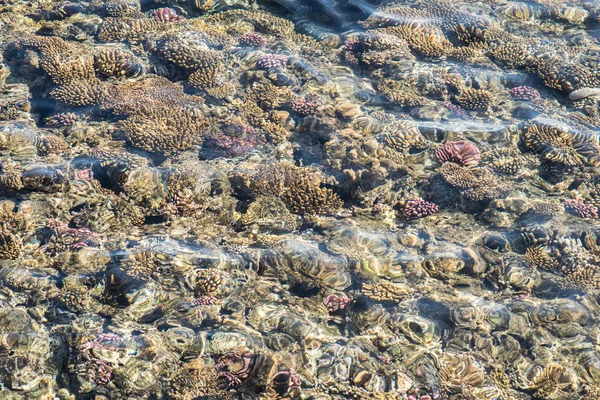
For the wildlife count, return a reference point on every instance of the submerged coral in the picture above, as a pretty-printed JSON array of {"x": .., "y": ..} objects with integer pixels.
[
  {"x": 300, "y": 189},
  {"x": 461, "y": 152},
  {"x": 299, "y": 200}
]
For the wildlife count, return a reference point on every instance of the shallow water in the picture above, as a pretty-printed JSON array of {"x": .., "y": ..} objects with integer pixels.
[{"x": 299, "y": 199}]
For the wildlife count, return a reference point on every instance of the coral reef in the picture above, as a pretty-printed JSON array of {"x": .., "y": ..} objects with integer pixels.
[{"x": 299, "y": 200}]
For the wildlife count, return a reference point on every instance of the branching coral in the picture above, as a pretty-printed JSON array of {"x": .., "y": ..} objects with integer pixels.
[
  {"x": 269, "y": 212},
  {"x": 82, "y": 93},
  {"x": 263, "y": 22},
  {"x": 564, "y": 76},
  {"x": 204, "y": 65},
  {"x": 475, "y": 99},
  {"x": 538, "y": 257},
  {"x": 65, "y": 68},
  {"x": 184, "y": 196},
  {"x": 509, "y": 52},
  {"x": 403, "y": 136},
  {"x": 165, "y": 130},
  {"x": 401, "y": 92},
  {"x": 51, "y": 144},
  {"x": 377, "y": 49},
  {"x": 161, "y": 118},
  {"x": 507, "y": 160},
  {"x": 208, "y": 282},
  {"x": 269, "y": 96},
  {"x": 46, "y": 45},
  {"x": 258, "y": 118},
  {"x": 427, "y": 41},
  {"x": 386, "y": 291},
  {"x": 118, "y": 63},
  {"x": 125, "y": 28},
  {"x": 10, "y": 245},
  {"x": 299, "y": 188},
  {"x": 123, "y": 8},
  {"x": 477, "y": 184}
]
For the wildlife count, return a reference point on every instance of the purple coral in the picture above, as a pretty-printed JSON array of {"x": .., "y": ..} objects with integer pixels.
[
  {"x": 461, "y": 152},
  {"x": 304, "y": 105},
  {"x": 104, "y": 372},
  {"x": 167, "y": 15},
  {"x": 61, "y": 119},
  {"x": 235, "y": 146},
  {"x": 106, "y": 341},
  {"x": 65, "y": 238},
  {"x": 333, "y": 302},
  {"x": 524, "y": 93},
  {"x": 580, "y": 209},
  {"x": 349, "y": 51},
  {"x": 456, "y": 109},
  {"x": 272, "y": 61},
  {"x": 427, "y": 396},
  {"x": 252, "y": 40},
  {"x": 231, "y": 380},
  {"x": 235, "y": 366},
  {"x": 417, "y": 208},
  {"x": 205, "y": 301}
]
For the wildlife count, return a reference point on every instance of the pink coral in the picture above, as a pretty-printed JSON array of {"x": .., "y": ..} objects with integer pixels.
[
  {"x": 235, "y": 146},
  {"x": 524, "y": 93},
  {"x": 333, "y": 302},
  {"x": 272, "y": 61},
  {"x": 103, "y": 373},
  {"x": 304, "y": 105},
  {"x": 456, "y": 109},
  {"x": 61, "y": 119},
  {"x": 580, "y": 209},
  {"x": 106, "y": 341},
  {"x": 167, "y": 15},
  {"x": 252, "y": 40},
  {"x": 235, "y": 366},
  {"x": 205, "y": 301},
  {"x": 417, "y": 208},
  {"x": 461, "y": 152}
]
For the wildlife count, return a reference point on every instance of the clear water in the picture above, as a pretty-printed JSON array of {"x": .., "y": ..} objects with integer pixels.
[{"x": 299, "y": 199}]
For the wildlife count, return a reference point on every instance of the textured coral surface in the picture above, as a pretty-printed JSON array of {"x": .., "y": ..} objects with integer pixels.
[{"x": 299, "y": 199}]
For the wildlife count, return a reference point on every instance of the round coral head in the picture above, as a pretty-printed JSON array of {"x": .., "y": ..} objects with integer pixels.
[{"x": 461, "y": 152}]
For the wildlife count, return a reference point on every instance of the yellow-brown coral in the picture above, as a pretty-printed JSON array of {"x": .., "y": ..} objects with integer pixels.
[
  {"x": 117, "y": 63},
  {"x": 299, "y": 188},
  {"x": 561, "y": 145},
  {"x": 475, "y": 99},
  {"x": 10, "y": 245},
  {"x": 82, "y": 93},
  {"x": 386, "y": 291}
]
